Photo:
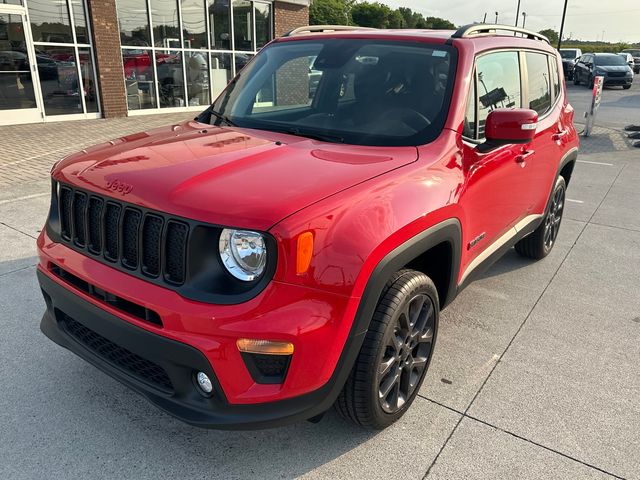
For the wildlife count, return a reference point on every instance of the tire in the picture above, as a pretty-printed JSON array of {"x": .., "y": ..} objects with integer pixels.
[
  {"x": 626, "y": 87},
  {"x": 540, "y": 242},
  {"x": 590, "y": 82},
  {"x": 395, "y": 354},
  {"x": 576, "y": 80}
]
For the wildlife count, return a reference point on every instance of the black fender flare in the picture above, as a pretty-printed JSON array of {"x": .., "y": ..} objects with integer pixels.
[{"x": 570, "y": 157}]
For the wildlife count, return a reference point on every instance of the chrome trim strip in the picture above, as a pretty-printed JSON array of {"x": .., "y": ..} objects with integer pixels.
[{"x": 495, "y": 246}]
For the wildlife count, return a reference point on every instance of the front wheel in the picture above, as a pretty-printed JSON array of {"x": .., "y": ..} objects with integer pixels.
[
  {"x": 576, "y": 80},
  {"x": 395, "y": 354},
  {"x": 626, "y": 87},
  {"x": 539, "y": 243}
]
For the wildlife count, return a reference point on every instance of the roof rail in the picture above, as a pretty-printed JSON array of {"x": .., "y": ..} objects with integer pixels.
[
  {"x": 323, "y": 28},
  {"x": 488, "y": 29}
]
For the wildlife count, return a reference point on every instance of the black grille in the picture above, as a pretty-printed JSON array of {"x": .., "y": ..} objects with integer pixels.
[
  {"x": 176, "y": 241},
  {"x": 121, "y": 358},
  {"x": 79, "y": 214},
  {"x": 130, "y": 227},
  {"x": 139, "y": 240},
  {"x": 617, "y": 74},
  {"x": 151, "y": 238},
  {"x": 95, "y": 222}
]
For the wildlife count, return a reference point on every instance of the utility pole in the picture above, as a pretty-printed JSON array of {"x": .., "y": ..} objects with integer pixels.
[
  {"x": 496, "y": 18},
  {"x": 564, "y": 15},
  {"x": 518, "y": 13},
  {"x": 524, "y": 19},
  {"x": 484, "y": 20}
]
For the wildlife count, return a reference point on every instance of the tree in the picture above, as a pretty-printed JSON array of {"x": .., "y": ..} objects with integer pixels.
[
  {"x": 374, "y": 15},
  {"x": 440, "y": 23},
  {"x": 330, "y": 12},
  {"x": 551, "y": 34}
]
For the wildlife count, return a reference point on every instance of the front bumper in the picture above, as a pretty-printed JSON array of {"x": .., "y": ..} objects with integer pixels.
[
  {"x": 617, "y": 81},
  {"x": 197, "y": 337}
]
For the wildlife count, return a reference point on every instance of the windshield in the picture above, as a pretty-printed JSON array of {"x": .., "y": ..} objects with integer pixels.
[
  {"x": 361, "y": 92},
  {"x": 569, "y": 54},
  {"x": 610, "y": 60},
  {"x": 635, "y": 53}
]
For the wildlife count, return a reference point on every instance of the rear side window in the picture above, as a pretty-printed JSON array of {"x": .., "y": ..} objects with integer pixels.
[
  {"x": 499, "y": 84},
  {"x": 555, "y": 77},
  {"x": 539, "y": 82}
]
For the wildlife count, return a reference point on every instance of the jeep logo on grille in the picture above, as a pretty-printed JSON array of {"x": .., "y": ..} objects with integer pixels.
[{"x": 120, "y": 187}]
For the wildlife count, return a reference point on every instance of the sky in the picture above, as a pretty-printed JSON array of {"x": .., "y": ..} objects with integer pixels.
[{"x": 586, "y": 19}]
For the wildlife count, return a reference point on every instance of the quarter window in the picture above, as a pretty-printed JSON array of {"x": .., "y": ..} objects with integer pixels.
[
  {"x": 539, "y": 82},
  {"x": 499, "y": 84}
]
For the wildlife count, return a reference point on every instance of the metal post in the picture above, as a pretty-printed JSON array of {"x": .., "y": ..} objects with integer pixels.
[
  {"x": 524, "y": 19},
  {"x": 518, "y": 13},
  {"x": 564, "y": 15},
  {"x": 496, "y": 18},
  {"x": 484, "y": 20}
]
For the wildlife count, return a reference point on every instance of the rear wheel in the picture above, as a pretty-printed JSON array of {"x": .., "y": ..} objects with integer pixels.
[
  {"x": 538, "y": 244},
  {"x": 395, "y": 354}
]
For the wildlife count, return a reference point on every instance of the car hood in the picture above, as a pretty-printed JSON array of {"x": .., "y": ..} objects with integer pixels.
[
  {"x": 223, "y": 175},
  {"x": 613, "y": 68}
]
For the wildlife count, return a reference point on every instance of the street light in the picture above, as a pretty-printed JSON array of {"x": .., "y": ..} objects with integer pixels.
[
  {"x": 564, "y": 15},
  {"x": 518, "y": 13},
  {"x": 524, "y": 19},
  {"x": 496, "y": 18}
]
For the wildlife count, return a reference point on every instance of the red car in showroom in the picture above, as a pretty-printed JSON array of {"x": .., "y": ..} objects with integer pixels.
[{"x": 291, "y": 249}]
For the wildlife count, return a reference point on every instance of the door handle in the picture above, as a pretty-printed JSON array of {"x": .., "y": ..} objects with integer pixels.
[
  {"x": 558, "y": 136},
  {"x": 522, "y": 158}
]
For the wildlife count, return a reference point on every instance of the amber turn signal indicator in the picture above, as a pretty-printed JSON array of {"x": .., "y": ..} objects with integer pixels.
[
  {"x": 264, "y": 347},
  {"x": 304, "y": 252}
]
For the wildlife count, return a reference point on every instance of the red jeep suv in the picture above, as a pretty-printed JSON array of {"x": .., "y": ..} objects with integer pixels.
[{"x": 292, "y": 247}]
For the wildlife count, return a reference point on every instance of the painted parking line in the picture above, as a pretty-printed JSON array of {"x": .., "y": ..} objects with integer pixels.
[
  {"x": 27, "y": 197},
  {"x": 596, "y": 163},
  {"x": 574, "y": 201}
]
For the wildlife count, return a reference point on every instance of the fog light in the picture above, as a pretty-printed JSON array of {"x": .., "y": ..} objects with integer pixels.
[{"x": 204, "y": 382}]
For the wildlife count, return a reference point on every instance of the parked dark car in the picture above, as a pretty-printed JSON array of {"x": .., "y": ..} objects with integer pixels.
[
  {"x": 611, "y": 66},
  {"x": 635, "y": 53},
  {"x": 569, "y": 58}
]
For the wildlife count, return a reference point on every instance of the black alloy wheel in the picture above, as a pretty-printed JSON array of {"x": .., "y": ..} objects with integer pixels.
[{"x": 554, "y": 218}]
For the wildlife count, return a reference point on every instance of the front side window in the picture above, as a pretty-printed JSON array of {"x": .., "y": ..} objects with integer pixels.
[
  {"x": 539, "y": 82},
  {"x": 499, "y": 84},
  {"x": 364, "y": 92}
]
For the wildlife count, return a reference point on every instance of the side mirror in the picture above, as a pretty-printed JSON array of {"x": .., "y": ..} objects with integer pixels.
[{"x": 509, "y": 125}]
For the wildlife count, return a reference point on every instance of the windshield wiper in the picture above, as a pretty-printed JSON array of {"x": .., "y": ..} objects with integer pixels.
[
  {"x": 205, "y": 117},
  {"x": 315, "y": 136},
  {"x": 222, "y": 117}
]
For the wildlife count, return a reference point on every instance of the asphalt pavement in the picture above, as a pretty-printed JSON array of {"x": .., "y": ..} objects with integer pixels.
[{"x": 535, "y": 373}]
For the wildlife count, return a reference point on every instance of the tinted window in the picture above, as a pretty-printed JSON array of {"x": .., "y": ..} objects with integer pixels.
[
  {"x": 555, "y": 78},
  {"x": 539, "y": 82},
  {"x": 610, "y": 60},
  {"x": 498, "y": 84},
  {"x": 568, "y": 54},
  {"x": 469, "y": 130},
  {"x": 394, "y": 93}
]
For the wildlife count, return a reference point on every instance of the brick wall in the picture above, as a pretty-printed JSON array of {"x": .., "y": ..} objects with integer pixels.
[
  {"x": 106, "y": 42},
  {"x": 289, "y": 16}
]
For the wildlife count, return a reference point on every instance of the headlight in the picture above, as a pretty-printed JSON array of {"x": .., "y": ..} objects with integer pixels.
[{"x": 243, "y": 253}]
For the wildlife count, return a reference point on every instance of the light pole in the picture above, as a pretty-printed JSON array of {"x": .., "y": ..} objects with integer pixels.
[
  {"x": 496, "y": 18},
  {"x": 484, "y": 20},
  {"x": 564, "y": 15},
  {"x": 524, "y": 19},
  {"x": 518, "y": 13}
]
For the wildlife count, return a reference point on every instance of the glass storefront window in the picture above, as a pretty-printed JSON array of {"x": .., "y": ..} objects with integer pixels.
[
  {"x": 194, "y": 24},
  {"x": 170, "y": 78},
  {"x": 139, "y": 79},
  {"x": 180, "y": 63},
  {"x": 220, "y": 24},
  {"x": 59, "y": 80},
  {"x": 164, "y": 16},
  {"x": 133, "y": 22},
  {"x": 197, "y": 66},
  {"x": 88, "y": 80},
  {"x": 16, "y": 84},
  {"x": 220, "y": 73},
  {"x": 50, "y": 21},
  {"x": 263, "y": 24},
  {"x": 80, "y": 21},
  {"x": 243, "y": 25}
]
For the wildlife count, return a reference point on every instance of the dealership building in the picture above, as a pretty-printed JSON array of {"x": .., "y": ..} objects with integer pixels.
[{"x": 75, "y": 59}]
